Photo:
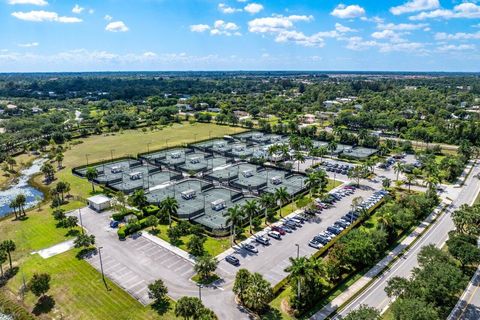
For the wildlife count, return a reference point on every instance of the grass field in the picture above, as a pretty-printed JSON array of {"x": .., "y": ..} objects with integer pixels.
[{"x": 76, "y": 286}]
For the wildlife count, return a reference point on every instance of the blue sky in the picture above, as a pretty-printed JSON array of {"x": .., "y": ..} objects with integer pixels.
[{"x": 127, "y": 35}]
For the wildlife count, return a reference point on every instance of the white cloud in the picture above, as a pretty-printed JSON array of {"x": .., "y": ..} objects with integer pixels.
[
  {"x": 227, "y": 9},
  {"x": 348, "y": 12},
  {"x": 466, "y": 10},
  {"x": 91, "y": 11},
  {"x": 77, "y": 9},
  {"x": 219, "y": 27},
  {"x": 29, "y": 45},
  {"x": 402, "y": 26},
  {"x": 341, "y": 28},
  {"x": 253, "y": 8},
  {"x": 414, "y": 6},
  {"x": 108, "y": 17},
  {"x": 457, "y": 36},
  {"x": 452, "y": 47},
  {"x": 199, "y": 27},
  {"x": 31, "y": 2},
  {"x": 300, "y": 38},
  {"x": 117, "y": 26},
  {"x": 360, "y": 44},
  {"x": 275, "y": 23},
  {"x": 390, "y": 35},
  {"x": 44, "y": 16}
]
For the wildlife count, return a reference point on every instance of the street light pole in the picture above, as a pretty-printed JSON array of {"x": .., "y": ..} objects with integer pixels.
[
  {"x": 148, "y": 147},
  {"x": 298, "y": 250},
  {"x": 80, "y": 218},
  {"x": 86, "y": 156},
  {"x": 298, "y": 282},
  {"x": 111, "y": 153},
  {"x": 199, "y": 291},
  {"x": 101, "y": 265}
]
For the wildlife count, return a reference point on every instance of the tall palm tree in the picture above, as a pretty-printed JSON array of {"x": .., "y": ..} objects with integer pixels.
[
  {"x": 3, "y": 259},
  {"x": 59, "y": 158},
  {"x": 332, "y": 146},
  {"x": 205, "y": 265},
  {"x": 14, "y": 205},
  {"x": 8, "y": 246},
  {"x": 251, "y": 209},
  {"x": 398, "y": 168},
  {"x": 20, "y": 199},
  {"x": 48, "y": 171},
  {"x": 170, "y": 206},
  {"x": 272, "y": 150},
  {"x": 386, "y": 221},
  {"x": 234, "y": 218},
  {"x": 282, "y": 196},
  {"x": 299, "y": 271},
  {"x": 267, "y": 200},
  {"x": 410, "y": 178},
  {"x": 300, "y": 158},
  {"x": 91, "y": 174}
]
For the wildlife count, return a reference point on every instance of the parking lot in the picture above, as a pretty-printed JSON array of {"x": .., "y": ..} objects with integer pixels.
[
  {"x": 137, "y": 261},
  {"x": 272, "y": 260}
]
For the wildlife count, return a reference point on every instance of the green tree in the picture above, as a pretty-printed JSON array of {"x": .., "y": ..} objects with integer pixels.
[
  {"x": 14, "y": 205},
  {"x": 70, "y": 222},
  {"x": 196, "y": 245},
  {"x": 84, "y": 241},
  {"x": 39, "y": 284},
  {"x": 234, "y": 218},
  {"x": 467, "y": 219},
  {"x": 282, "y": 196},
  {"x": 21, "y": 200},
  {"x": 188, "y": 307},
  {"x": 3, "y": 259},
  {"x": 242, "y": 281},
  {"x": 250, "y": 208},
  {"x": 205, "y": 265},
  {"x": 139, "y": 199},
  {"x": 158, "y": 291},
  {"x": 364, "y": 312},
  {"x": 398, "y": 168},
  {"x": 8, "y": 246},
  {"x": 464, "y": 248},
  {"x": 408, "y": 309},
  {"x": 170, "y": 206},
  {"x": 91, "y": 174},
  {"x": 258, "y": 294}
]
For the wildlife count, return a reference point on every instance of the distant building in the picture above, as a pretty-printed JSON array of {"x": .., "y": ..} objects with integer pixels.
[
  {"x": 330, "y": 103},
  {"x": 99, "y": 202},
  {"x": 309, "y": 118},
  {"x": 11, "y": 107}
]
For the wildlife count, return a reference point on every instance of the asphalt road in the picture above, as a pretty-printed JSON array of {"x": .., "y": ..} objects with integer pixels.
[
  {"x": 375, "y": 295},
  {"x": 468, "y": 308}
]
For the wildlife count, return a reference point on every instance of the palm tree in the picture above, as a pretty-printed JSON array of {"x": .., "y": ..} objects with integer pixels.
[
  {"x": 14, "y": 205},
  {"x": 258, "y": 293},
  {"x": 272, "y": 150},
  {"x": 91, "y": 174},
  {"x": 409, "y": 178},
  {"x": 8, "y": 246},
  {"x": 20, "y": 199},
  {"x": 371, "y": 162},
  {"x": 139, "y": 199},
  {"x": 234, "y": 218},
  {"x": 170, "y": 206},
  {"x": 205, "y": 265},
  {"x": 386, "y": 183},
  {"x": 266, "y": 201},
  {"x": 48, "y": 171},
  {"x": 386, "y": 221},
  {"x": 332, "y": 146},
  {"x": 282, "y": 196},
  {"x": 251, "y": 209},
  {"x": 299, "y": 271},
  {"x": 397, "y": 168},
  {"x": 312, "y": 182},
  {"x": 59, "y": 158},
  {"x": 3, "y": 259},
  {"x": 300, "y": 158}
]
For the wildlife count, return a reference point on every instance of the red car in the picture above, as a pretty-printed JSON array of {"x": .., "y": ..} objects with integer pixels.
[{"x": 279, "y": 230}]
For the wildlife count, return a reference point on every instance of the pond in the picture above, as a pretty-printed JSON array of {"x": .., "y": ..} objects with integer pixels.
[
  {"x": 32, "y": 194},
  {"x": 5, "y": 317}
]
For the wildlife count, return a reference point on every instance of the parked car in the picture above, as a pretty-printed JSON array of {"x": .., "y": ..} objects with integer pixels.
[
  {"x": 232, "y": 260},
  {"x": 262, "y": 240},
  {"x": 279, "y": 229},
  {"x": 315, "y": 244},
  {"x": 275, "y": 235},
  {"x": 321, "y": 239},
  {"x": 334, "y": 230},
  {"x": 250, "y": 247},
  {"x": 291, "y": 225},
  {"x": 113, "y": 224}
]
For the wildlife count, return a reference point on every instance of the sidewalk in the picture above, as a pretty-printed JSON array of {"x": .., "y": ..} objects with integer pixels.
[{"x": 355, "y": 288}]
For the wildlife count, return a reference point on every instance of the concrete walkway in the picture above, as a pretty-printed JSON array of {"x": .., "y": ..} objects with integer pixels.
[
  {"x": 56, "y": 249},
  {"x": 351, "y": 291}
]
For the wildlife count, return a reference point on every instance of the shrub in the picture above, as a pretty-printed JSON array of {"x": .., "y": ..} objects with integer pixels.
[
  {"x": 150, "y": 210},
  {"x": 121, "y": 233}
]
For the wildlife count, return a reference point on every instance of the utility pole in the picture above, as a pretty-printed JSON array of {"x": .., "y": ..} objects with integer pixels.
[
  {"x": 101, "y": 266},
  {"x": 80, "y": 218}
]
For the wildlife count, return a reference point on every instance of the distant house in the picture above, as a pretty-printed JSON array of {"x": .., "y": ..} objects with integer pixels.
[
  {"x": 214, "y": 109},
  {"x": 184, "y": 107},
  {"x": 11, "y": 107},
  {"x": 240, "y": 114},
  {"x": 330, "y": 103},
  {"x": 36, "y": 110}
]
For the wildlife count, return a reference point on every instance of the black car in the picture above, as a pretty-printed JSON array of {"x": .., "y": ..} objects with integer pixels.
[
  {"x": 232, "y": 260},
  {"x": 291, "y": 225},
  {"x": 250, "y": 248},
  {"x": 321, "y": 239},
  {"x": 334, "y": 230}
]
